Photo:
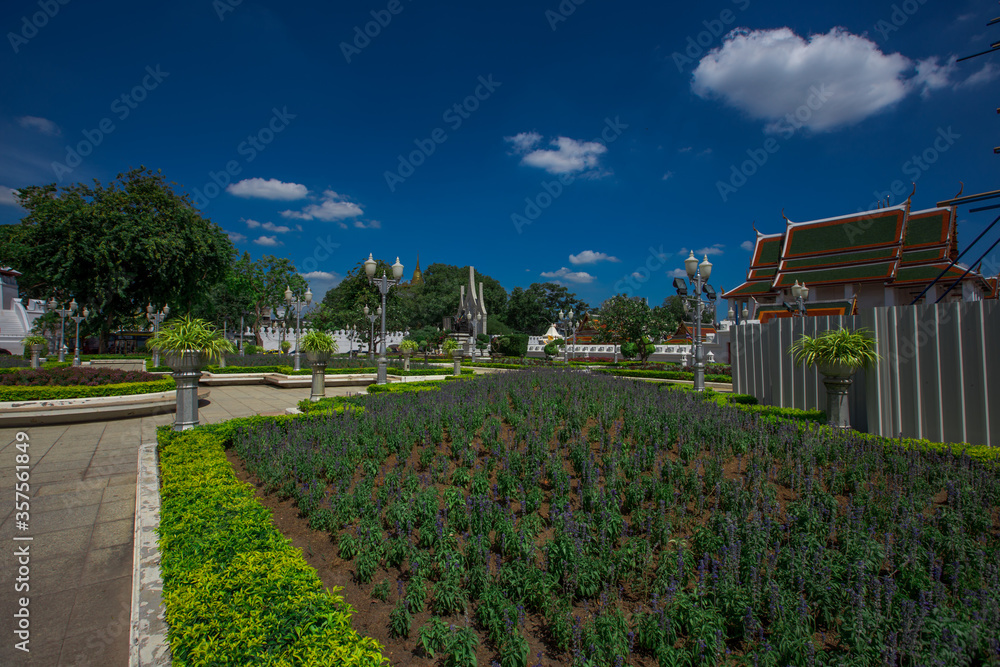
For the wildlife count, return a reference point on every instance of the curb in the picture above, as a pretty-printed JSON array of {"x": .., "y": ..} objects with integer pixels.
[{"x": 148, "y": 646}]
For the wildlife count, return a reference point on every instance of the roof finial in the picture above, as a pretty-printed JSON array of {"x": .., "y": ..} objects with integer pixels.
[
  {"x": 754, "y": 225},
  {"x": 785, "y": 216},
  {"x": 960, "y": 190},
  {"x": 912, "y": 193}
]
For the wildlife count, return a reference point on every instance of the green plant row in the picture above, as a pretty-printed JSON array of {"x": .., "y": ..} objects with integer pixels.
[
  {"x": 664, "y": 375},
  {"x": 331, "y": 404},
  {"x": 235, "y": 591},
  {"x": 284, "y": 370},
  {"x": 58, "y": 393},
  {"x": 748, "y": 403}
]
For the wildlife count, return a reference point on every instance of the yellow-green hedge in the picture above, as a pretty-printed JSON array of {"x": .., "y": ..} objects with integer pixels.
[
  {"x": 235, "y": 591},
  {"x": 82, "y": 391}
]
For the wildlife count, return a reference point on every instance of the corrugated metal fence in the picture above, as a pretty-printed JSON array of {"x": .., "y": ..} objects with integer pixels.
[{"x": 935, "y": 378}]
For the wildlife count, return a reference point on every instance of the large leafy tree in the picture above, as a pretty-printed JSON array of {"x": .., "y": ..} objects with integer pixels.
[
  {"x": 624, "y": 319},
  {"x": 116, "y": 247},
  {"x": 531, "y": 310},
  {"x": 262, "y": 284},
  {"x": 438, "y": 297}
]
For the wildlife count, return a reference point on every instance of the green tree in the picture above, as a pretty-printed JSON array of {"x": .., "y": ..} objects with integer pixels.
[
  {"x": 259, "y": 287},
  {"x": 438, "y": 297},
  {"x": 532, "y": 310},
  {"x": 116, "y": 247},
  {"x": 623, "y": 320}
]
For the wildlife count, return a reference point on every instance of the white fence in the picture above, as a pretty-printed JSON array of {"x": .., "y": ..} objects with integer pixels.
[
  {"x": 271, "y": 338},
  {"x": 935, "y": 378}
]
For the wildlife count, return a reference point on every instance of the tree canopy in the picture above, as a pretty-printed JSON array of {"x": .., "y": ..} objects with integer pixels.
[
  {"x": 116, "y": 247},
  {"x": 532, "y": 310}
]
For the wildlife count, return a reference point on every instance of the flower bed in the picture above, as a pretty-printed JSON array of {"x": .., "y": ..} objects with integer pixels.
[
  {"x": 234, "y": 590},
  {"x": 604, "y": 522},
  {"x": 67, "y": 376}
]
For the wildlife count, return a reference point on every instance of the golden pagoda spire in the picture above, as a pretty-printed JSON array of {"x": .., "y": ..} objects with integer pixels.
[{"x": 418, "y": 276}]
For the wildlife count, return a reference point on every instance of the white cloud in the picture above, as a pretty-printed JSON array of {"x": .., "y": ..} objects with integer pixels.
[
  {"x": 268, "y": 241},
  {"x": 985, "y": 75},
  {"x": 572, "y": 276},
  {"x": 568, "y": 157},
  {"x": 677, "y": 273},
  {"x": 667, "y": 176},
  {"x": 320, "y": 275},
  {"x": 7, "y": 196},
  {"x": 591, "y": 257},
  {"x": 748, "y": 246},
  {"x": 371, "y": 224},
  {"x": 43, "y": 125},
  {"x": 832, "y": 80},
  {"x": 271, "y": 188},
  {"x": 686, "y": 149},
  {"x": 332, "y": 207},
  {"x": 524, "y": 141},
  {"x": 252, "y": 224},
  {"x": 638, "y": 276},
  {"x": 715, "y": 249},
  {"x": 236, "y": 237},
  {"x": 271, "y": 227},
  {"x": 931, "y": 75}
]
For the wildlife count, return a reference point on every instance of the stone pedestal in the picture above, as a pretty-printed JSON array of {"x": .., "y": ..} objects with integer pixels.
[
  {"x": 837, "y": 379},
  {"x": 457, "y": 354},
  {"x": 318, "y": 361},
  {"x": 186, "y": 367},
  {"x": 406, "y": 361},
  {"x": 35, "y": 351}
]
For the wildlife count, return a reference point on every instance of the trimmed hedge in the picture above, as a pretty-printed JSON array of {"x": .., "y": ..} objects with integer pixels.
[
  {"x": 663, "y": 375},
  {"x": 58, "y": 393},
  {"x": 235, "y": 591}
]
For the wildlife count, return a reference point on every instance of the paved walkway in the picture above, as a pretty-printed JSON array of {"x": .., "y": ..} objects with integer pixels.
[{"x": 82, "y": 512}]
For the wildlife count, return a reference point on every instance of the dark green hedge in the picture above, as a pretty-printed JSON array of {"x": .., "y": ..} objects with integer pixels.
[{"x": 663, "y": 375}]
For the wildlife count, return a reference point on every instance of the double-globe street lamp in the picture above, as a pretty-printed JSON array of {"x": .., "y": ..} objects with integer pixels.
[
  {"x": 567, "y": 325},
  {"x": 699, "y": 275},
  {"x": 53, "y": 306},
  {"x": 371, "y": 317},
  {"x": 298, "y": 303},
  {"x": 800, "y": 294},
  {"x": 156, "y": 318},
  {"x": 78, "y": 317},
  {"x": 383, "y": 284}
]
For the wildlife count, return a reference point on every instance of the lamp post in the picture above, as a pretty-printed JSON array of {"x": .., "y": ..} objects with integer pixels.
[
  {"x": 567, "y": 324},
  {"x": 77, "y": 317},
  {"x": 52, "y": 305},
  {"x": 371, "y": 337},
  {"x": 476, "y": 323},
  {"x": 698, "y": 275},
  {"x": 800, "y": 293},
  {"x": 383, "y": 284},
  {"x": 156, "y": 318},
  {"x": 298, "y": 303}
]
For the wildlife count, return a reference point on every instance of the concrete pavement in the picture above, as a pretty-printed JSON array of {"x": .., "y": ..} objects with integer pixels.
[{"x": 81, "y": 517}]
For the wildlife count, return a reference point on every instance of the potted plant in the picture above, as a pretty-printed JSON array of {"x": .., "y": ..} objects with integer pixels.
[
  {"x": 318, "y": 346},
  {"x": 286, "y": 346},
  {"x": 36, "y": 344},
  {"x": 838, "y": 354},
  {"x": 188, "y": 345},
  {"x": 407, "y": 347}
]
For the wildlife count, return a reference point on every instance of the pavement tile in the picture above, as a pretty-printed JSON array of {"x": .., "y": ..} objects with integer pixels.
[
  {"x": 55, "y": 477},
  {"x": 62, "y": 543},
  {"x": 118, "y": 509},
  {"x": 56, "y": 488},
  {"x": 101, "y": 606},
  {"x": 113, "y": 533},
  {"x": 63, "y": 519},
  {"x": 50, "y": 615},
  {"x": 63, "y": 501},
  {"x": 115, "y": 480},
  {"x": 105, "y": 564},
  {"x": 47, "y": 465},
  {"x": 119, "y": 492},
  {"x": 121, "y": 469},
  {"x": 50, "y": 575}
]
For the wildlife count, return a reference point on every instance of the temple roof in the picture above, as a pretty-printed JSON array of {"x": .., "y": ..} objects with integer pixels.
[
  {"x": 767, "y": 312},
  {"x": 890, "y": 246}
]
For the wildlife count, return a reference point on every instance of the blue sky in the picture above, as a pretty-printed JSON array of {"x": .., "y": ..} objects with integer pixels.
[{"x": 581, "y": 141}]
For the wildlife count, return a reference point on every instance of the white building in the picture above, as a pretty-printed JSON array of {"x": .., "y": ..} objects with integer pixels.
[{"x": 16, "y": 320}]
